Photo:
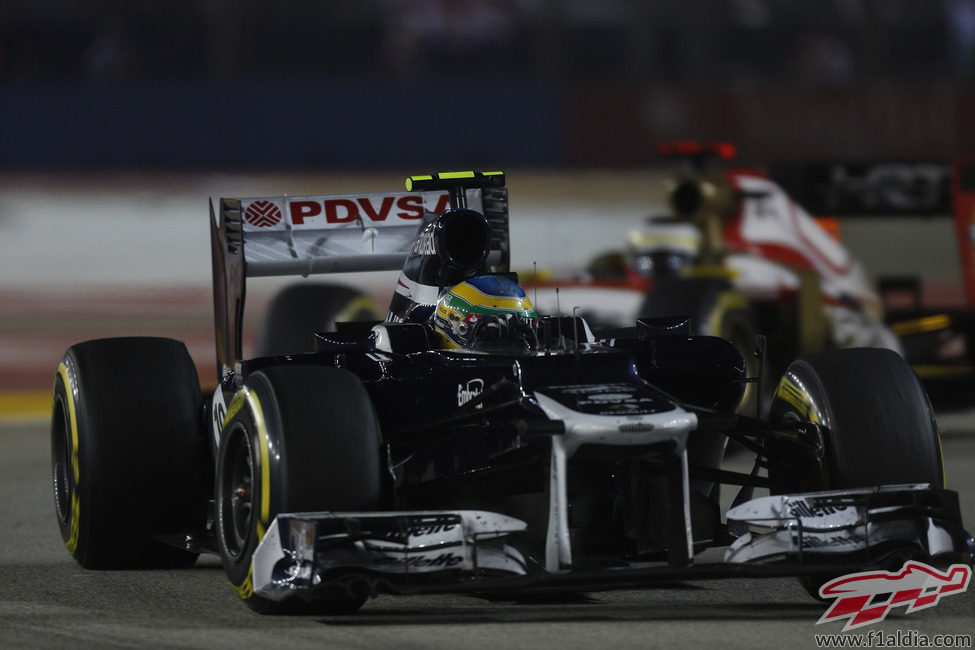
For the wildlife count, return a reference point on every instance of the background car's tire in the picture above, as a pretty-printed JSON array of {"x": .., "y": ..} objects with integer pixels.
[
  {"x": 321, "y": 423},
  {"x": 128, "y": 452},
  {"x": 300, "y": 310},
  {"x": 877, "y": 424},
  {"x": 715, "y": 309}
]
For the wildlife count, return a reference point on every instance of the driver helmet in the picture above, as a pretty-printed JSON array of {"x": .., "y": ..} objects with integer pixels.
[
  {"x": 663, "y": 247},
  {"x": 485, "y": 312}
]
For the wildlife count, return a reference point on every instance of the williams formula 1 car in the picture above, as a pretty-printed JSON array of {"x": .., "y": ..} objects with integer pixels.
[{"x": 467, "y": 444}]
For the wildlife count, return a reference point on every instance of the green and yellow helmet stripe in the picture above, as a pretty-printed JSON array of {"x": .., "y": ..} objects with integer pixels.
[{"x": 474, "y": 300}]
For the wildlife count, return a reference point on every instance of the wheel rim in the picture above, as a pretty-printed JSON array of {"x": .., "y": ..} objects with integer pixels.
[
  {"x": 61, "y": 460},
  {"x": 237, "y": 494}
]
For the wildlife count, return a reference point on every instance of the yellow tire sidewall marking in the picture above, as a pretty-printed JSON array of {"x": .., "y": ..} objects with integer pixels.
[
  {"x": 239, "y": 399},
  {"x": 245, "y": 589},
  {"x": 792, "y": 394},
  {"x": 246, "y": 396},
  {"x": 74, "y": 517}
]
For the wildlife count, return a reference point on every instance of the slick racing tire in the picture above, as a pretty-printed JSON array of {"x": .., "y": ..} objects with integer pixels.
[
  {"x": 128, "y": 452},
  {"x": 323, "y": 430},
  {"x": 300, "y": 310},
  {"x": 715, "y": 309},
  {"x": 877, "y": 425}
]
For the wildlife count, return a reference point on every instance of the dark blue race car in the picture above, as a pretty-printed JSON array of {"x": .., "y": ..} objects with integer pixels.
[{"x": 466, "y": 443}]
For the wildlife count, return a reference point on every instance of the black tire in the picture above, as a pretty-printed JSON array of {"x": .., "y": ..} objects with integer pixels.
[
  {"x": 128, "y": 452},
  {"x": 325, "y": 433},
  {"x": 300, "y": 310},
  {"x": 715, "y": 309},
  {"x": 877, "y": 424}
]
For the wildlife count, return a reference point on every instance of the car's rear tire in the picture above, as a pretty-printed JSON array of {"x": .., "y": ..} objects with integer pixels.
[
  {"x": 323, "y": 429},
  {"x": 300, "y": 310},
  {"x": 877, "y": 424},
  {"x": 128, "y": 452}
]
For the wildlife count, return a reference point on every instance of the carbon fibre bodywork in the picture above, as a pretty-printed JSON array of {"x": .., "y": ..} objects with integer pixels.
[
  {"x": 578, "y": 462},
  {"x": 586, "y": 465}
]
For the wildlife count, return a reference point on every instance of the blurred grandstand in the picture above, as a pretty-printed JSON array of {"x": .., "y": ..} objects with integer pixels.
[
  {"x": 383, "y": 83},
  {"x": 97, "y": 96}
]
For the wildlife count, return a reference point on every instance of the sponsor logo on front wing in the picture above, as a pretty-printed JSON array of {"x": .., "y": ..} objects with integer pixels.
[
  {"x": 807, "y": 509},
  {"x": 832, "y": 540},
  {"x": 416, "y": 532},
  {"x": 426, "y": 561}
]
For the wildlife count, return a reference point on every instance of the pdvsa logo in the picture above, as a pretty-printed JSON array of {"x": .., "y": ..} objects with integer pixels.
[
  {"x": 372, "y": 208},
  {"x": 868, "y": 597},
  {"x": 262, "y": 214},
  {"x": 338, "y": 210}
]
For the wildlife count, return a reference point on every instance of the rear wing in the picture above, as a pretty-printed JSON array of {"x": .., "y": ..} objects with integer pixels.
[
  {"x": 866, "y": 189},
  {"x": 929, "y": 189},
  {"x": 316, "y": 234}
]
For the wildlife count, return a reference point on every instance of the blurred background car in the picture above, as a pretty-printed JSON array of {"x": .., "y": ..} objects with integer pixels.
[{"x": 737, "y": 255}]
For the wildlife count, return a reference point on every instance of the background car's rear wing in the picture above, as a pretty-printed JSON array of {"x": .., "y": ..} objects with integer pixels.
[
  {"x": 931, "y": 189},
  {"x": 304, "y": 235},
  {"x": 876, "y": 188}
]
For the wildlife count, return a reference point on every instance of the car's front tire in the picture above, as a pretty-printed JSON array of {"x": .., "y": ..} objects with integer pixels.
[
  {"x": 877, "y": 425},
  {"x": 321, "y": 426}
]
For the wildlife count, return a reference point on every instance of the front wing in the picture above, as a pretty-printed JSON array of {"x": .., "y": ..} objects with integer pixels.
[{"x": 312, "y": 555}]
